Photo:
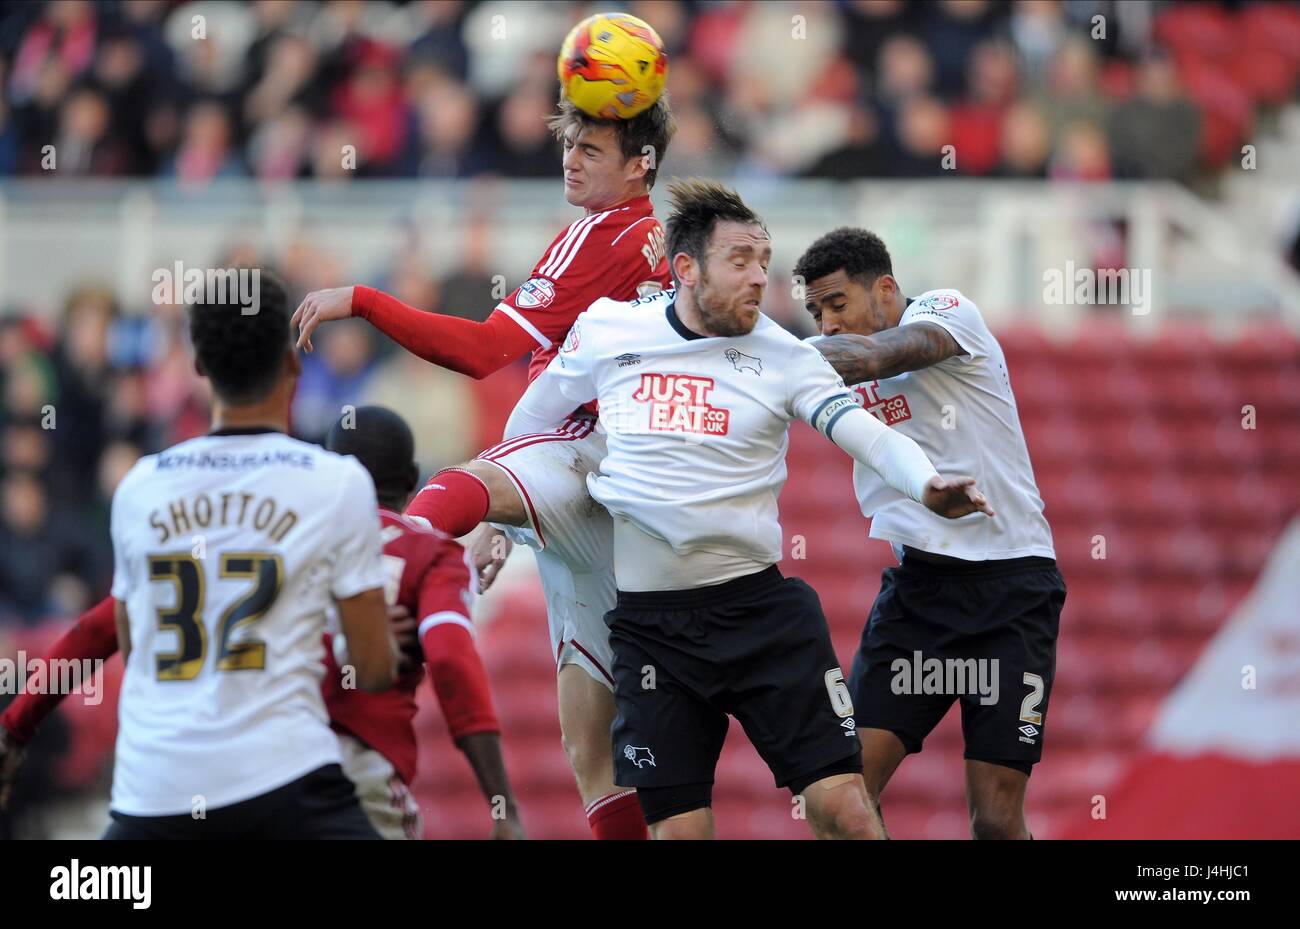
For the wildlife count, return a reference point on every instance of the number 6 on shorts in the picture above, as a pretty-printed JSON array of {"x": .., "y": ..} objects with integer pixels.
[{"x": 841, "y": 702}]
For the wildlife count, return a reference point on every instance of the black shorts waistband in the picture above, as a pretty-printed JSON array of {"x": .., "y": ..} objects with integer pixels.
[
  {"x": 994, "y": 568},
  {"x": 700, "y": 596}
]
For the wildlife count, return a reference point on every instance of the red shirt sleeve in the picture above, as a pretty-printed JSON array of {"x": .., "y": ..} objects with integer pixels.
[
  {"x": 93, "y": 636},
  {"x": 603, "y": 255},
  {"x": 459, "y": 679},
  {"x": 460, "y": 345}
]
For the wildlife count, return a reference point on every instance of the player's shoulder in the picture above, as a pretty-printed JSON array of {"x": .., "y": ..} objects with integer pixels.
[
  {"x": 608, "y": 312},
  {"x": 591, "y": 238},
  {"x": 136, "y": 479},
  {"x": 938, "y": 302},
  {"x": 616, "y": 226},
  {"x": 768, "y": 331}
]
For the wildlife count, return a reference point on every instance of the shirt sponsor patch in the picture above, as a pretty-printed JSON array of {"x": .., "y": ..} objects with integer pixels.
[
  {"x": 889, "y": 410},
  {"x": 939, "y": 302},
  {"x": 680, "y": 403},
  {"x": 535, "y": 293},
  {"x": 572, "y": 339}
]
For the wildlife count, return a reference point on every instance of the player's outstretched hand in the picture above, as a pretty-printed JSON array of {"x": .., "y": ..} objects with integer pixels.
[
  {"x": 955, "y": 496},
  {"x": 489, "y": 550},
  {"x": 317, "y": 307},
  {"x": 11, "y": 759}
]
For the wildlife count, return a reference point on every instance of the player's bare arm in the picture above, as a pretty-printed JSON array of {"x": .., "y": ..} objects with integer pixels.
[
  {"x": 372, "y": 650},
  {"x": 888, "y": 353},
  {"x": 483, "y": 751}
]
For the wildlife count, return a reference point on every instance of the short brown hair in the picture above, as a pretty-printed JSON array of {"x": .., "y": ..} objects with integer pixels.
[
  {"x": 654, "y": 129},
  {"x": 697, "y": 207}
]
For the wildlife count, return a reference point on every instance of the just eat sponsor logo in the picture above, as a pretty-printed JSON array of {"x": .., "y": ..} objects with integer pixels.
[
  {"x": 889, "y": 410},
  {"x": 680, "y": 403}
]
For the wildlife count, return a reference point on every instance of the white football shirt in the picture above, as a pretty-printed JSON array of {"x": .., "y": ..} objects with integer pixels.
[
  {"x": 697, "y": 425},
  {"x": 962, "y": 412},
  {"x": 228, "y": 550}
]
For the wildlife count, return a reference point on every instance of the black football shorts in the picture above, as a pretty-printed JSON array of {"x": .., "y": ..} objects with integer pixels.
[
  {"x": 757, "y": 648},
  {"x": 982, "y": 633}
]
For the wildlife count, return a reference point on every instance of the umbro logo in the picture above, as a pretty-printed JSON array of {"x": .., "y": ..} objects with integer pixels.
[
  {"x": 627, "y": 359},
  {"x": 850, "y": 726},
  {"x": 743, "y": 362},
  {"x": 1029, "y": 730}
]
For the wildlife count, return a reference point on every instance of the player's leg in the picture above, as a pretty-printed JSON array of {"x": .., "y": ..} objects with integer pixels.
[
  {"x": 571, "y": 534},
  {"x": 894, "y": 716},
  {"x": 667, "y": 735},
  {"x": 696, "y": 824},
  {"x": 496, "y": 487},
  {"x": 839, "y": 807},
  {"x": 785, "y": 686},
  {"x": 1013, "y": 614},
  {"x": 455, "y": 500},
  {"x": 995, "y": 795},
  {"x": 882, "y": 752},
  {"x": 586, "y": 715}
]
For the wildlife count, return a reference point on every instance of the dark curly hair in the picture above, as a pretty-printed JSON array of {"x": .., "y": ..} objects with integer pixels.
[
  {"x": 858, "y": 253},
  {"x": 242, "y": 353}
]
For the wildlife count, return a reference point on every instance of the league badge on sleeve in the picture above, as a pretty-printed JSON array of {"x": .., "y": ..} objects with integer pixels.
[
  {"x": 535, "y": 293},
  {"x": 572, "y": 339},
  {"x": 939, "y": 302}
]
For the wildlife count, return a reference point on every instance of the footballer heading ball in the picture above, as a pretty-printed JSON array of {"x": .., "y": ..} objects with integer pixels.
[{"x": 612, "y": 66}]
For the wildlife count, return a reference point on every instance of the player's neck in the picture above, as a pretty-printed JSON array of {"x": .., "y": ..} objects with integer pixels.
[
  {"x": 271, "y": 413},
  {"x": 627, "y": 195},
  {"x": 688, "y": 315}
]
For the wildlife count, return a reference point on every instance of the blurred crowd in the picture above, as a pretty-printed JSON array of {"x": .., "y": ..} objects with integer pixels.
[
  {"x": 277, "y": 89},
  {"x": 274, "y": 89},
  {"x": 84, "y": 394}
]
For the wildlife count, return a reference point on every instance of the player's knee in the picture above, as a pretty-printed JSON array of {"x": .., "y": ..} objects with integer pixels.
[
  {"x": 588, "y": 757},
  {"x": 845, "y": 817},
  {"x": 504, "y": 503},
  {"x": 999, "y": 816}
]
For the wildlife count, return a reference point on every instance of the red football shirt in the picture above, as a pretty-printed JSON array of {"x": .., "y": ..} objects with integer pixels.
[
  {"x": 430, "y": 576},
  {"x": 618, "y": 253}
]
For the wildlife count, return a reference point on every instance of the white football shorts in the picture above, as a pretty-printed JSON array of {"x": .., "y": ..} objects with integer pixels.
[{"x": 571, "y": 534}]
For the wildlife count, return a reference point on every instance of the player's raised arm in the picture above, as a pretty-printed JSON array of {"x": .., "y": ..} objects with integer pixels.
[
  {"x": 565, "y": 384},
  {"x": 888, "y": 353},
  {"x": 461, "y": 345},
  {"x": 819, "y": 398}
]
